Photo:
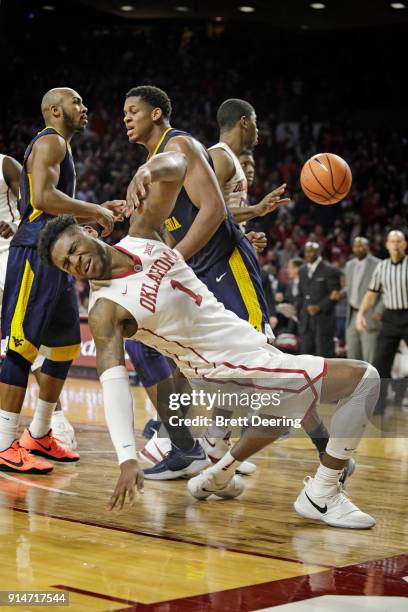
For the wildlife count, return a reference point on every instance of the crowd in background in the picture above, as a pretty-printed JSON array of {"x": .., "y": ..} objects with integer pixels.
[{"x": 301, "y": 111}]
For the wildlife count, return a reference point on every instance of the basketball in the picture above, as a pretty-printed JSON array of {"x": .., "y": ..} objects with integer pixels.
[{"x": 326, "y": 178}]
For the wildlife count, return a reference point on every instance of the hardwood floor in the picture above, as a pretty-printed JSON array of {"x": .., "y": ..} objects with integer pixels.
[{"x": 55, "y": 530}]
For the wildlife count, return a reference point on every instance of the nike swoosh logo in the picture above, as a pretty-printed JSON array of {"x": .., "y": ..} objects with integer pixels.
[
  {"x": 349, "y": 449},
  {"x": 125, "y": 291},
  {"x": 127, "y": 445},
  {"x": 318, "y": 508},
  {"x": 219, "y": 278},
  {"x": 13, "y": 463},
  {"x": 210, "y": 443},
  {"x": 47, "y": 448}
]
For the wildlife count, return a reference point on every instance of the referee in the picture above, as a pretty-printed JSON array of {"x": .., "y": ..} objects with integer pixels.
[{"x": 390, "y": 278}]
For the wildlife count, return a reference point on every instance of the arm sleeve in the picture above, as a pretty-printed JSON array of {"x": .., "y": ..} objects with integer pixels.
[{"x": 118, "y": 404}]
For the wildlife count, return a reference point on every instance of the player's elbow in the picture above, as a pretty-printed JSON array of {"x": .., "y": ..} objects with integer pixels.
[{"x": 180, "y": 164}]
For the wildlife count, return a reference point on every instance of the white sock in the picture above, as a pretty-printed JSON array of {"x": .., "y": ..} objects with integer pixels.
[
  {"x": 8, "y": 428},
  {"x": 353, "y": 415},
  {"x": 225, "y": 468},
  {"x": 41, "y": 423},
  {"x": 325, "y": 480}
]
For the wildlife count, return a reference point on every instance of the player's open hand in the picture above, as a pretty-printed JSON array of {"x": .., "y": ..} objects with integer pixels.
[
  {"x": 6, "y": 229},
  {"x": 272, "y": 201},
  {"x": 139, "y": 189},
  {"x": 258, "y": 240},
  {"x": 119, "y": 209},
  {"x": 106, "y": 218},
  {"x": 130, "y": 480}
]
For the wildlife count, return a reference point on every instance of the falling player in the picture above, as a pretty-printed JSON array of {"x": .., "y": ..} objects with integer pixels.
[
  {"x": 39, "y": 304},
  {"x": 152, "y": 295}
]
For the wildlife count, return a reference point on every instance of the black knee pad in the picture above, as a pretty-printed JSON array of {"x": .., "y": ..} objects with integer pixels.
[
  {"x": 56, "y": 369},
  {"x": 15, "y": 370}
]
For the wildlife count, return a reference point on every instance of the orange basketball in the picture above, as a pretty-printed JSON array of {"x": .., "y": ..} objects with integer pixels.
[{"x": 326, "y": 178}]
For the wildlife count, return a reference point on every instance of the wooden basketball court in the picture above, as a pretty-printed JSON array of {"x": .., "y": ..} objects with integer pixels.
[{"x": 172, "y": 553}]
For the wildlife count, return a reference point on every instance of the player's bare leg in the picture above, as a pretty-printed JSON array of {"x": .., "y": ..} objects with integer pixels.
[{"x": 354, "y": 386}]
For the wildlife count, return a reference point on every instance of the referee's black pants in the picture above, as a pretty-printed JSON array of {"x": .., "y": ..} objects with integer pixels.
[{"x": 394, "y": 329}]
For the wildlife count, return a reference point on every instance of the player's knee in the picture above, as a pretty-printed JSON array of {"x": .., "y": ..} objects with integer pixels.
[
  {"x": 56, "y": 369},
  {"x": 15, "y": 370}
]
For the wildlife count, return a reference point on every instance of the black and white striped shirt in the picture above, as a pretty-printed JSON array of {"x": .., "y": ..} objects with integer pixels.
[{"x": 391, "y": 280}]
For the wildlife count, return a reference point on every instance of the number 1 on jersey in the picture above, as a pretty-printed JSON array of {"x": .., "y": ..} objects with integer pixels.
[{"x": 195, "y": 296}]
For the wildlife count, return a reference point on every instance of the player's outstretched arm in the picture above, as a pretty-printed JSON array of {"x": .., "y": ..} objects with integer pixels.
[
  {"x": 268, "y": 204},
  {"x": 107, "y": 321},
  {"x": 166, "y": 167},
  {"x": 202, "y": 188},
  {"x": 47, "y": 155}
]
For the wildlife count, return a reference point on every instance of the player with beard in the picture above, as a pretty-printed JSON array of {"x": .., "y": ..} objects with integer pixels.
[
  {"x": 39, "y": 304},
  {"x": 142, "y": 289}
]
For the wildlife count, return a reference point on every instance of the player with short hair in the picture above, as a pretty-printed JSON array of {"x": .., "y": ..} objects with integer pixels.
[
  {"x": 200, "y": 225},
  {"x": 143, "y": 289},
  {"x": 39, "y": 303},
  {"x": 238, "y": 130}
]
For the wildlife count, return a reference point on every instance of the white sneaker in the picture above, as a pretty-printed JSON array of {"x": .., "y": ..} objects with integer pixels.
[
  {"x": 217, "y": 447},
  {"x": 336, "y": 510},
  {"x": 155, "y": 449},
  {"x": 204, "y": 484},
  {"x": 348, "y": 470},
  {"x": 63, "y": 430}
]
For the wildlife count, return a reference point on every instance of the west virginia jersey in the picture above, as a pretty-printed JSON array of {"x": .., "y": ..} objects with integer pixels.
[
  {"x": 39, "y": 302},
  {"x": 227, "y": 264},
  {"x": 32, "y": 219},
  {"x": 222, "y": 242}
]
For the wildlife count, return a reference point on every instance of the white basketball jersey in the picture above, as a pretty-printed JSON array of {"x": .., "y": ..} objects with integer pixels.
[
  {"x": 236, "y": 189},
  {"x": 178, "y": 315},
  {"x": 8, "y": 206}
]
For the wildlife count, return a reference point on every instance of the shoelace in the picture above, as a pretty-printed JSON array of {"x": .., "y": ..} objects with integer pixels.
[{"x": 23, "y": 453}]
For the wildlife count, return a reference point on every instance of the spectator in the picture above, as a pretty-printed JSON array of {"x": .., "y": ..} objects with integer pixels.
[{"x": 315, "y": 304}]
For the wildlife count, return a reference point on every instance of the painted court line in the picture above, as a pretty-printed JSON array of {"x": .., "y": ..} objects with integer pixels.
[
  {"x": 29, "y": 483},
  {"x": 170, "y": 538}
]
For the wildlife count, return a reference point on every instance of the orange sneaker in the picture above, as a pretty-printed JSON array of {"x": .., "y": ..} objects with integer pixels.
[
  {"x": 18, "y": 459},
  {"x": 47, "y": 446}
]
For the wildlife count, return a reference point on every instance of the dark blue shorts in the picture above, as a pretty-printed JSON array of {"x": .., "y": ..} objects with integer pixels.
[
  {"x": 236, "y": 282},
  {"x": 150, "y": 366},
  {"x": 39, "y": 308}
]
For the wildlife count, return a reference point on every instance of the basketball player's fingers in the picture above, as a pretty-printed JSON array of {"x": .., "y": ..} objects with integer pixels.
[
  {"x": 113, "y": 499},
  {"x": 121, "y": 500},
  {"x": 140, "y": 482},
  {"x": 131, "y": 494}
]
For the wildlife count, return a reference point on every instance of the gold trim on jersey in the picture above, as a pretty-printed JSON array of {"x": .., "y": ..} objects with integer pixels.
[
  {"x": 163, "y": 136},
  {"x": 36, "y": 213},
  {"x": 18, "y": 342},
  {"x": 65, "y": 353},
  {"x": 247, "y": 289}
]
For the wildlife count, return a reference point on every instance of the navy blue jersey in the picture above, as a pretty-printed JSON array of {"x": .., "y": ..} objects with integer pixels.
[
  {"x": 225, "y": 239},
  {"x": 32, "y": 219}
]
